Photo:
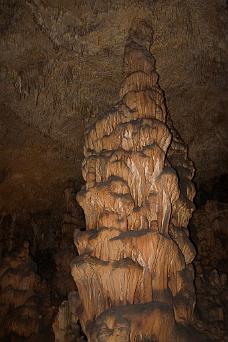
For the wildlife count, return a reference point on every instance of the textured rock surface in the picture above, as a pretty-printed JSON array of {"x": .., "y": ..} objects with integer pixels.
[
  {"x": 209, "y": 228},
  {"x": 24, "y": 305},
  {"x": 65, "y": 326},
  {"x": 66, "y": 252},
  {"x": 135, "y": 256},
  {"x": 61, "y": 64}
]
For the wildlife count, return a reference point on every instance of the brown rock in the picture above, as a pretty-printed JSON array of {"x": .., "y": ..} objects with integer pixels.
[{"x": 134, "y": 272}]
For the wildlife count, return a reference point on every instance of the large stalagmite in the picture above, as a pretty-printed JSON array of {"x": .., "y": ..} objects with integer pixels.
[{"x": 134, "y": 272}]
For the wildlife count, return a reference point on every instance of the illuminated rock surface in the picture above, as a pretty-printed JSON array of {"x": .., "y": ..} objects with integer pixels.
[{"x": 135, "y": 256}]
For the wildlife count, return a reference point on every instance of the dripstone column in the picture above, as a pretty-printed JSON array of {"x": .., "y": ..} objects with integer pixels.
[{"x": 134, "y": 272}]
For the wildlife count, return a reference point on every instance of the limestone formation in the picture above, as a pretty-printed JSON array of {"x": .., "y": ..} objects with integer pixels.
[
  {"x": 134, "y": 272},
  {"x": 66, "y": 251},
  {"x": 65, "y": 326},
  {"x": 24, "y": 304},
  {"x": 209, "y": 226}
]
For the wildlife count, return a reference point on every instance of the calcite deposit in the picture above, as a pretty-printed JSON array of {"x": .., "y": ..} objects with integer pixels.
[
  {"x": 134, "y": 272},
  {"x": 65, "y": 326},
  {"x": 66, "y": 251},
  {"x": 24, "y": 301},
  {"x": 209, "y": 227}
]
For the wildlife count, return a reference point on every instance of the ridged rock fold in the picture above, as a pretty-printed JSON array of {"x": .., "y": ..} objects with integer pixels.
[{"x": 134, "y": 272}]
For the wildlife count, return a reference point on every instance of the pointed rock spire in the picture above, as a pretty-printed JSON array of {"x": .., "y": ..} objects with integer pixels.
[{"x": 134, "y": 273}]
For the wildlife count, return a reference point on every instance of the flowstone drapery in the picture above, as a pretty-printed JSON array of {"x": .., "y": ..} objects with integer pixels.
[{"x": 134, "y": 272}]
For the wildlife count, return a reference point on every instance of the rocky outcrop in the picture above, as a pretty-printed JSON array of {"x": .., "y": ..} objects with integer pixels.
[{"x": 135, "y": 256}]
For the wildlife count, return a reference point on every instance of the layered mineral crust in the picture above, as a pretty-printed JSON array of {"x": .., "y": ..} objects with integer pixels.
[{"x": 134, "y": 272}]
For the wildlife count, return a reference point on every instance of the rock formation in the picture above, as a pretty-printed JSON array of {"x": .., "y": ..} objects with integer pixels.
[
  {"x": 24, "y": 304},
  {"x": 134, "y": 272},
  {"x": 65, "y": 326},
  {"x": 209, "y": 228},
  {"x": 66, "y": 250}
]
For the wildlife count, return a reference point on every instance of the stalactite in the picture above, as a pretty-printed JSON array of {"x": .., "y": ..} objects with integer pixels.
[{"x": 134, "y": 272}]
